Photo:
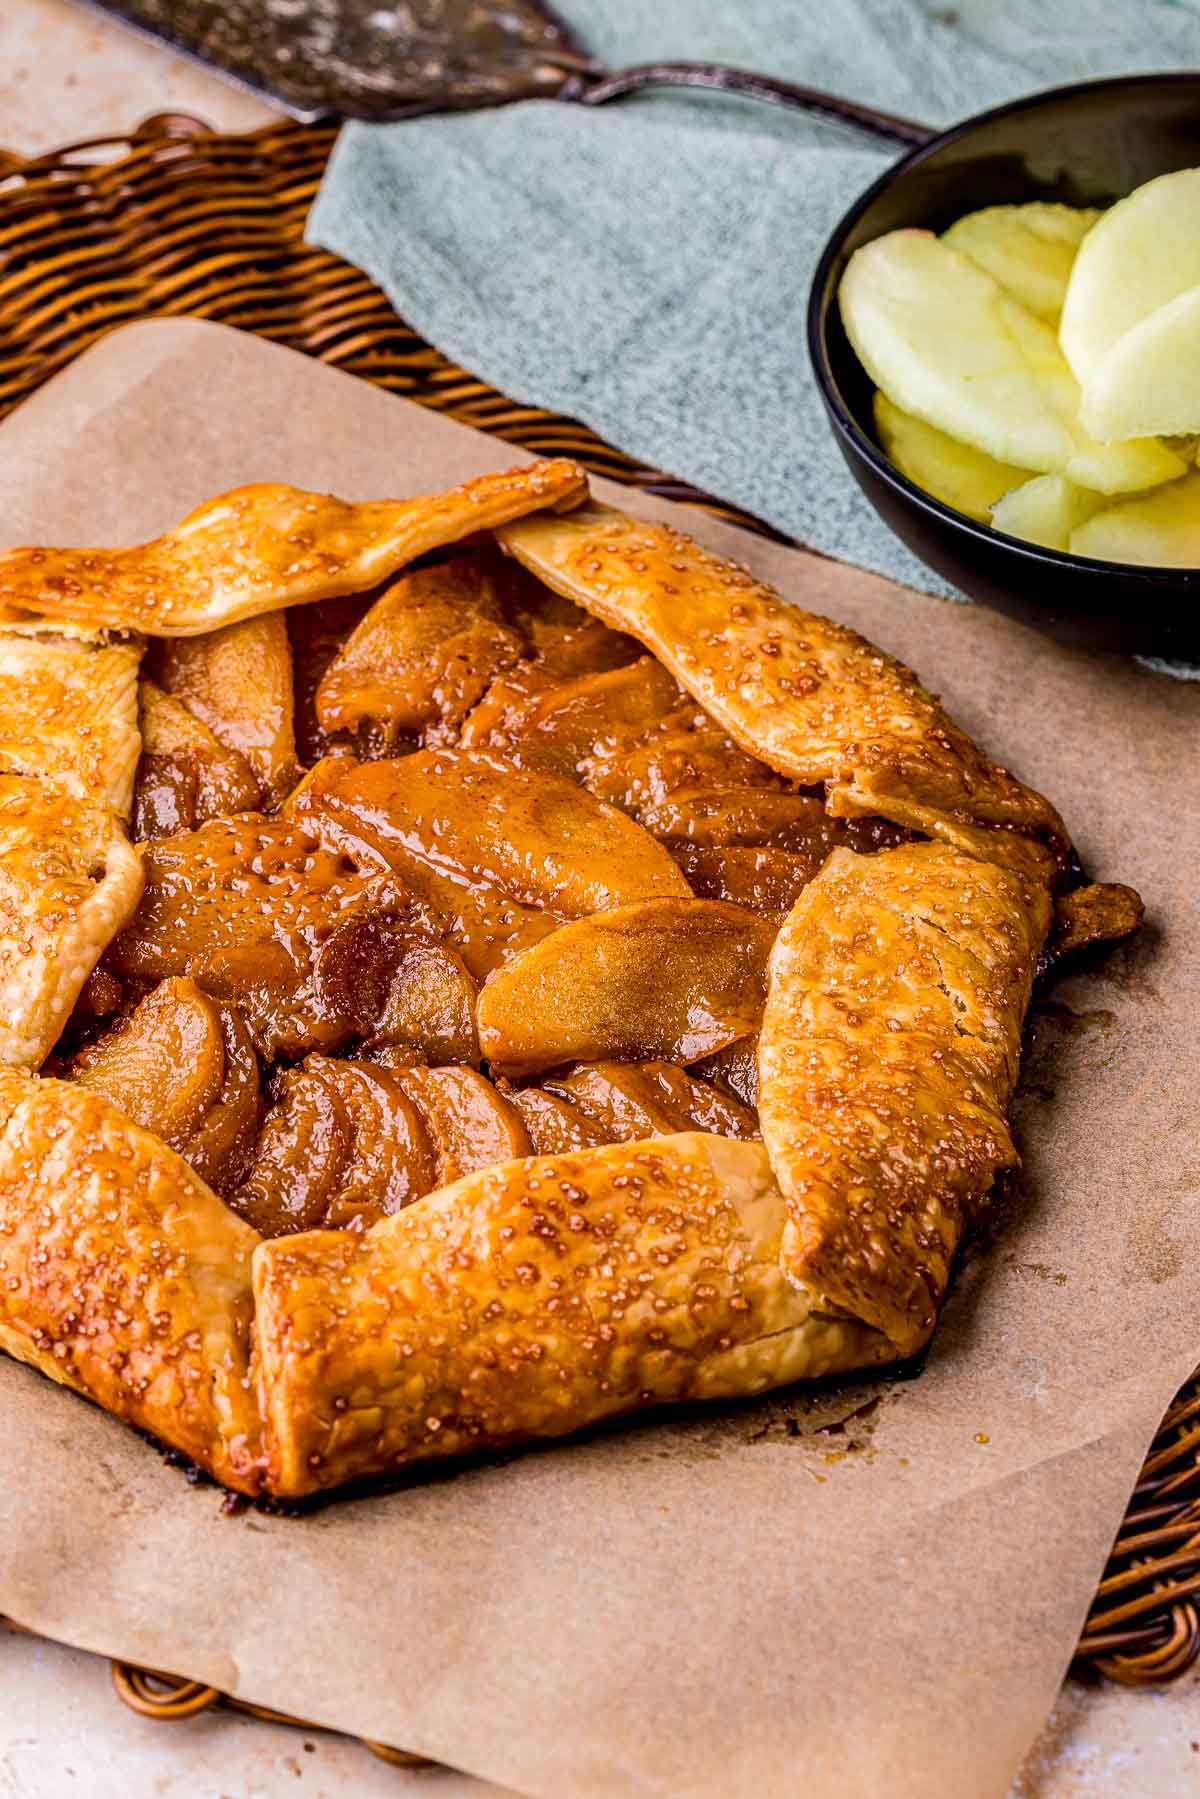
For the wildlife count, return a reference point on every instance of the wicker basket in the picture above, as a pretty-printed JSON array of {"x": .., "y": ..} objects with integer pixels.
[{"x": 175, "y": 220}]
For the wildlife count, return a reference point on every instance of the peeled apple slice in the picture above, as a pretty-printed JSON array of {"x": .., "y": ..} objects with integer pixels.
[
  {"x": 934, "y": 332},
  {"x": 1028, "y": 249},
  {"x": 1045, "y": 511},
  {"x": 1108, "y": 467},
  {"x": 953, "y": 472},
  {"x": 1144, "y": 251},
  {"x": 1150, "y": 379},
  {"x": 1162, "y": 529},
  {"x": 947, "y": 345}
]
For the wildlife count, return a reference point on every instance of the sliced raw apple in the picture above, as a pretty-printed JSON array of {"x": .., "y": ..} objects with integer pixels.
[
  {"x": 1108, "y": 467},
  {"x": 1150, "y": 379},
  {"x": 1028, "y": 249},
  {"x": 1141, "y": 254},
  {"x": 671, "y": 979},
  {"x": 1161, "y": 529},
  {"x": 935, "y": 332},
  {"x": 1045, "y": 510},
  {"x": 948, "y": 345},
  {"x": 967, "y": 479}
]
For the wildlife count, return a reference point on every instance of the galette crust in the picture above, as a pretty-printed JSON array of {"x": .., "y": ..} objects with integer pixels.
[
  {"x": 532, "y": 1299},
  {"x": 69, "y": 878},
  {"x": 124, "y": 1276},
  {"x": 887, "y": 1057},
  {"x": 544, "y": 1293},
  {"x": 810, "y": 698},
  {"x": 69, "y": 712},
  {"x": 260, "y": 548}
]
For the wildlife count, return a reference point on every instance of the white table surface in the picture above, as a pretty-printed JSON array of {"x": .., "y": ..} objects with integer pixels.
[{"x": 67, "y": 73}]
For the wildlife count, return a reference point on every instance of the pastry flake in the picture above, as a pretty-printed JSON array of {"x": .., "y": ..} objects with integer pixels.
[{"x": 122, "y": 1275}]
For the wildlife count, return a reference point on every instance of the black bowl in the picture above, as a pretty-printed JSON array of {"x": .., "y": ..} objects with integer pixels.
[{"x": 1087, "y": 145}]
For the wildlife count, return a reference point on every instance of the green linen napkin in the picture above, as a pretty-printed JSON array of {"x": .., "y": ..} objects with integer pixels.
[{"x": 644, "y": 267}]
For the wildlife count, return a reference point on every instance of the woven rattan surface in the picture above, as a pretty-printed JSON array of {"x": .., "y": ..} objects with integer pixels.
[{"x": 177, "y": 221}]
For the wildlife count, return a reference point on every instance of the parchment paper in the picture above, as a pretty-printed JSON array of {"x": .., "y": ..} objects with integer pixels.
[{"x": 870, "y": 1592}]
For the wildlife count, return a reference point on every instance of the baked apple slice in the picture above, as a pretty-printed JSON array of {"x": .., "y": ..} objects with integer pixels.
[
  {"x": 555, "y": 655},
  {"x": 469, "y": 1123},
  {"x": 316, "y": 633},
  {"x": 763, "y": 879},
  {"x": 668, "y": 979},
  {"x": 632, "y": 1100},
  {"x": 561, "y": 728},
  {"x": 729, "y": 815},
  {"x": 164, "y": 1064},
  {"x": 423, "y": 655},
  {"x": 410, "y": 1001},
  {"x": 553, "y": 1123},
  {"x": 183, "y": 1067},
  {"x": 342, "y": 1146},
  {"x": 538, "y": 838},
  {"x": 683, "y": 754},
  {"x": 246, "y": 906},
  {"x": 185, "y": 775},
  {"x": 429, "y": 1013},
  {"x": 733, "y": 1070},
  {"x": 222, "y": 1148},
  {"x": 238, "y": 681}
]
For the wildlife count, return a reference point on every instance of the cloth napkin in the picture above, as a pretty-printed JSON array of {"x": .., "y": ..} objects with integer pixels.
[{"x": 645, "y": 267}]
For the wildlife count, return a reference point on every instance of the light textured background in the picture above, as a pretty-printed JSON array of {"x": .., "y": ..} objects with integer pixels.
[{"x": 65, "y": 73}]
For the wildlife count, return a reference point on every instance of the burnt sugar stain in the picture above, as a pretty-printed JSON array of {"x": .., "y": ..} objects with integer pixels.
[
  {"x": 1053, "y": 1025},
  {"x": 1039, "y": 1270}
]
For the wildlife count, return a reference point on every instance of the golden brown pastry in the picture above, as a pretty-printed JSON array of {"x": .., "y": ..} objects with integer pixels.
[
  {"x": 888, "y": 1054},
  {"x": 260, "y": 548},
  {"x": 478, "y": 1035},
  {"x": 529, "y": 1300},
  {"x": 811, "y": 698},
  {"x": 68, "y": 877},
  {"x": 122, "y": 1275}
]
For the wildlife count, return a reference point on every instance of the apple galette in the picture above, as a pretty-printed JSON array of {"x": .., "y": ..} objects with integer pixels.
[{"x": 475, "y": 965}]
